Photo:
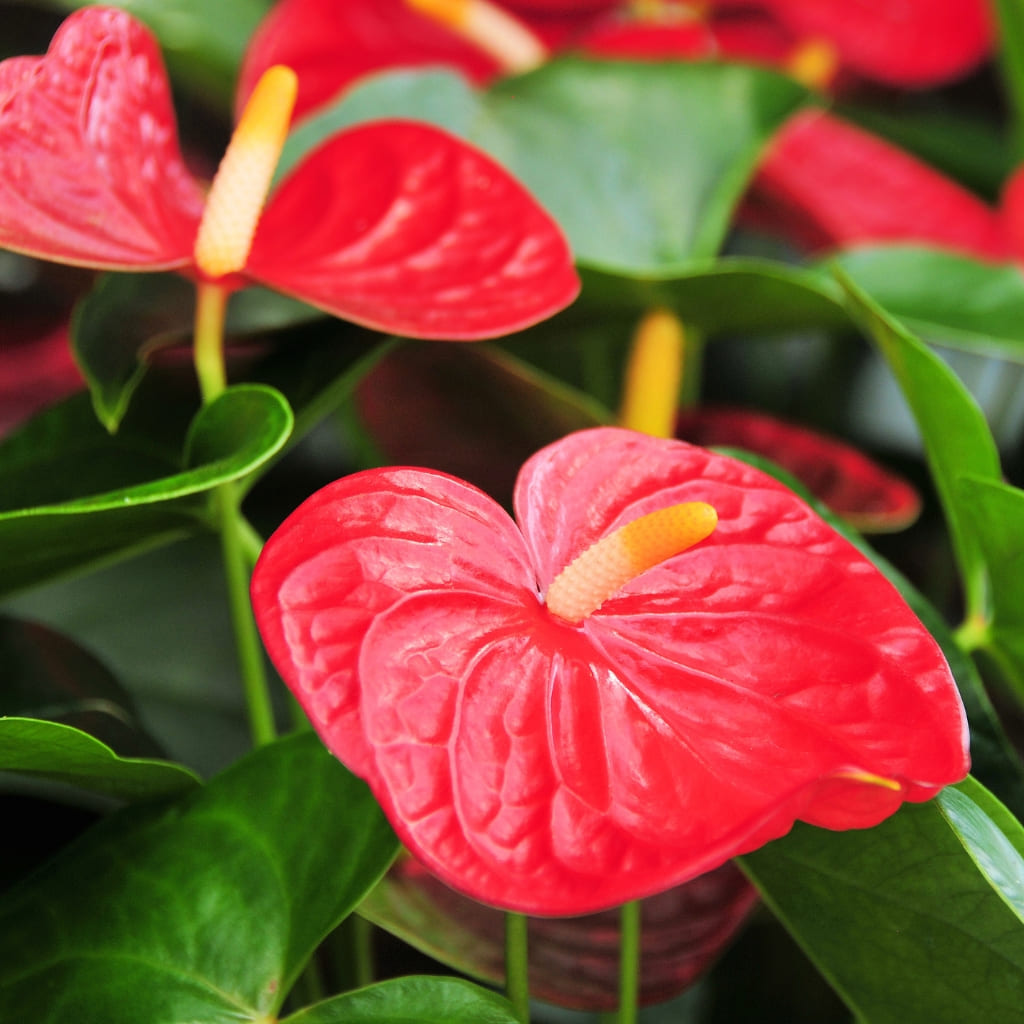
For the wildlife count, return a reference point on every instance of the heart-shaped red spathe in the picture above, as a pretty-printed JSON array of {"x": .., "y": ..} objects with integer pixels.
[
  {"x": 423, "y": 235},
  {"x": 332, "y": 44},
  {"x": 913, "y": 43},
  {"x": 827, "y": 183},
  {"x": 90, "y": 169},
  {"x": 768, "y": 674},
  {"x": 395, "y": 225}
]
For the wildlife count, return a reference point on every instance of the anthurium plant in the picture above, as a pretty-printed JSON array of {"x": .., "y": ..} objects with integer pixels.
[{"x": 511, "y": 511}]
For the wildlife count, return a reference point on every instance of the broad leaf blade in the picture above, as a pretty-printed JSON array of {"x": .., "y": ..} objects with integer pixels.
[
  {"x": 204, "y": 909},
  {"x": 956, "y": 436},
  {"x": 899, "y": 918},
  {"x": 61, "y": 753},
  {"x": 117, "y": 495},
  {"x": 412, "y": 1000}
]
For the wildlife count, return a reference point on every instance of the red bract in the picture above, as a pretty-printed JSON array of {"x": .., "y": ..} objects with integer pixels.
[
  {"x": 395, "y": 225},
  {"x": 910, "y": 43},
  {"x": 767, "y": 674},
  {"x": 826, "y": 183},
  {"x": 852, "y": 486}
]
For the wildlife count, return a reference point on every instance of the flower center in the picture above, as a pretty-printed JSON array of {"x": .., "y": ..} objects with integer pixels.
[
  {"x": 501, "y": 36},
  {"x": 240, "y": 186},
  {"x": 610, "y": 563},
  {"x": 813, "y": 63}
]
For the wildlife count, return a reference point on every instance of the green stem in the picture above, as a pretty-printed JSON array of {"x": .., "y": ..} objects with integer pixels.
[
  {"x": 208, "y": 343},
  {"x": 236, "y": 535},
  {"x": 629, "y": 962},
  {"x": 1010, "y": 33},
  {"x": 247, "y": 638},
  {"x": 517, "y": 981},
  {"x": 693, "y": 368}
]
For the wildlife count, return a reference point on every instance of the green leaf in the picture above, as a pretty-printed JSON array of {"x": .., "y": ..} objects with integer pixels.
[
  {"x": 991, "y": 835},
  {"x": 61, "y": 753},
  {"x": 87, "y": 496},
  {"x": 412, "y": 1000},
  {"x": 898, "y": 918},
  {"x": 956, "y": 437},
  {"x": 944, "y": 297},
  {"x": 662, "y": 149},
  {"x": 998, "y": 511},
  {"x": 202, "y": 910}
]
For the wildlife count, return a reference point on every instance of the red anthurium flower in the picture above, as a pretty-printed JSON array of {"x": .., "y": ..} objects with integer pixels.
[
  {"x": 910, "y": 43},
  {"x": 575, "y": 711},
  {"x": 852, "y": 485},
  {"x": 826, "y": 184},
  {"x": 395, "y": 225}
]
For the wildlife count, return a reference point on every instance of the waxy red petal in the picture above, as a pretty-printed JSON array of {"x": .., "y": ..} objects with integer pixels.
[
  {"x": 90, "y": 170},
  {"x": 331, "y": 44},
  {"x": 851, "y": 484},
  {"x": 827, "y": 183},
  {"x": 399, "y": 226},
  {"x": 910, "y": 43},
  {"x": 768, "y": 674}
]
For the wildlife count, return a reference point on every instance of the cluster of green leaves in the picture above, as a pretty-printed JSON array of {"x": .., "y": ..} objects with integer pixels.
[{"x": 204, "y": 901}]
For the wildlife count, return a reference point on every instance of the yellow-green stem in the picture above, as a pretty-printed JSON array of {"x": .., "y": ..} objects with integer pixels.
[
  {"x": 629, "y": 962},
  {"x": 237, "y": 537},
  {"x": 208, "y": 343},
  {"x": 517, "y": 981}
]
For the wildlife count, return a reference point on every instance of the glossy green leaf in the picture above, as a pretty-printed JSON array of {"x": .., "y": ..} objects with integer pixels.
[
  {"x": 61, "y": 753},
  {"x": 956, "y": 437},
  {"x": 203, "y": 909},
  {"x": 998, "y": 510},
  {"x": 899, "y": 919},
  {"x": 992, "y": 837},
  {"x": 85, "y": 496},
  {"x": 944, "y": 297},
  {"x": 412, "y": 1000},
  {"x": 201, "y": 51},
  {"x": 662, "y": 149}
]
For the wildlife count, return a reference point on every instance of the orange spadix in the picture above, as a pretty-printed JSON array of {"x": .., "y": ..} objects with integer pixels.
[
  {"x": 610, "y": 563},
  {"x": 243, "y": 179}
]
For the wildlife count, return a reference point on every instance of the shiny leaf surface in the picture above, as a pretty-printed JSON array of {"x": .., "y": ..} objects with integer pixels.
[
  {"x": 399, "y": 641},
  {"x": 201, "y": 909}
]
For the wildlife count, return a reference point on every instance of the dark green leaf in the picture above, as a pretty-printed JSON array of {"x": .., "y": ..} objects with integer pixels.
[
  {"x": 89, "y": 496},
  {"x": 956, "y": 437},
  {"x": 200, "y": 910},
  {"x": 662, "y": 149},
  {"x": 899, "y": 918},
  {"x": 412, "y": 1000},
  {"x": 61, "y": 753}
]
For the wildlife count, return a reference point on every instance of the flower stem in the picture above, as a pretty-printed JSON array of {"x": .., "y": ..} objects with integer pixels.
[
  {"x": 236, "y": 536},
  {"x": 208, "y": 350},
  {"x": 517, "y": 982},
  {"x": 629, "y": 962}
]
